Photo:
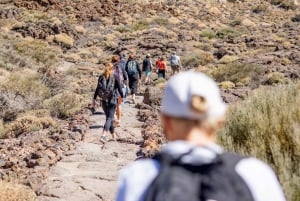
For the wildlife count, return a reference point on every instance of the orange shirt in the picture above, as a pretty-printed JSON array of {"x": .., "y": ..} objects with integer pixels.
[{"x": 160, "y": 65}]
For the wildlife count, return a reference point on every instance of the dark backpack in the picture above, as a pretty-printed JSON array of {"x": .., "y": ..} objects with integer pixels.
[
  {"x": 216, "y": 181},
  {"x": 146, "y": 65},
  {"x": 106, "y": 89},
  {"x": 131, "y": 67}
]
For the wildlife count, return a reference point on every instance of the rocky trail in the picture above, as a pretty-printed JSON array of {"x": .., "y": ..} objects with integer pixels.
[{"x": 90, "y": 171}]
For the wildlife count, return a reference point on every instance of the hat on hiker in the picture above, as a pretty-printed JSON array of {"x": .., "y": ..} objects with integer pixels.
[
  {"x": 192, "y": 95},
  {"x": 148, "y": 55}
]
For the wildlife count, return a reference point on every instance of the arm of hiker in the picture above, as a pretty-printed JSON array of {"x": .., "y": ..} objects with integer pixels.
[
  {"x": 139, "y": 69},
  {"x": 119, "y": 87},
  {"x": 96, "y": 93},
  {"x": 125, "y": 75},
  {"x": 261, "y": 180}
]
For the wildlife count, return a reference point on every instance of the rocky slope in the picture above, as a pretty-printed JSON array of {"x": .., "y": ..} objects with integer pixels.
[{"x": 51, "y": 52}]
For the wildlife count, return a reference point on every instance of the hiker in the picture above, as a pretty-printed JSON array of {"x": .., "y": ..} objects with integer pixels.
[
  {"x": 121, "y": 74},
  {"x": 108, "y": 89},
  {"x": 134, "y": 73},
  {"x": 192, "y": 166},
  {"x": 161, "y": 68},
  {"x": 123, "y": 65},
  {"x": 175, "y": 63},
  {"x": 147, "y": 68}
]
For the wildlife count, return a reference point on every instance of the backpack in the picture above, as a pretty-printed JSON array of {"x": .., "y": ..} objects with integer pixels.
[
  {"x": 174, "y": 60},
  {"x": 146, "y": 65},
  {"x": 131, "y": 67},
  {"x": 216, "y": 181},
  {"x": 106, "y": 89}
]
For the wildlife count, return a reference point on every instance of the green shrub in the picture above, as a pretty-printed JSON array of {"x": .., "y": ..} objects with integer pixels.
[
  {"x": 37, "y": 50},
  {"x": 140, "y": 25},
  {"x": 235, "y": 72},
  {"x": 160, "y": 21},
  {"x": 198, "y": 58},
  {"x": 228, "y": 33},
  {"x": 208, "y": 33},
  {"x": 123, "y": 29},
  {"x": 266, "y": 125},
  {"x": 64, "y": 104}
]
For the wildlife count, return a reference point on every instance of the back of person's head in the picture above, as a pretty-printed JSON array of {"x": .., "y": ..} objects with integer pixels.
[
  {"x": 148, "y": 55},
  {"x": 194, "y": 98},
  {"x": 174, "y": 53},
  {"x": 115, "y": 59},
  {"x": 122, "y": 56},
  {"x": 162, "y": 58},
  {"x": 108, "y": 70},
  {"x": 131, "y": 57}
]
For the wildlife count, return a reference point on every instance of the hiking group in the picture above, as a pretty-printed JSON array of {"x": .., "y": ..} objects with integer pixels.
[{"x": 192, "y": 166}]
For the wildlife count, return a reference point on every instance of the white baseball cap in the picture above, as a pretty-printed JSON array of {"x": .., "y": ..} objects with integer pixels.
[{"x": 180, "y": 90}]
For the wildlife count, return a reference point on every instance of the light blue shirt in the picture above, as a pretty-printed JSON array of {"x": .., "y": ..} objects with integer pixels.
[{"x": 136, "y": 177}]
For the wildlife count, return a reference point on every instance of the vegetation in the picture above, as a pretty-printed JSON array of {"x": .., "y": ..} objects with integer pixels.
[
  {"x": 15, "y": 192},
  {"x": 236, "y": 72},
  {"x": 227, "y": 33},
  {"x": 64, "y": 104},
  {"x": 208, "y": 33},
  {"x": 267, "y": 126},
  {"x": 285, "y": 4},
  {"x": 27, "y": 123},
  {"x": 140, "y": 25},
  {"x": 197, "y": 58}
]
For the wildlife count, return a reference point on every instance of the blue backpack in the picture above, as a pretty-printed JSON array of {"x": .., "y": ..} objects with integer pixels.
[
  {"x": 174, "y": 60},
  {"x": 131, "y": 67}
]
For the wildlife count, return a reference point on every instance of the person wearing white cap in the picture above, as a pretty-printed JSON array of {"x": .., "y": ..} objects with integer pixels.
[
  {"x": 192, "y": 166},
  {"x": 147, "y": 68}
]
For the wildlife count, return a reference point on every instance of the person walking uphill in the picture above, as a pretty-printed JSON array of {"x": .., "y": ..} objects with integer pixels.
[
  {"x": 175, "y": 63},
  {"x": 108, "y": 89},
  {"x": 122, "y": 76},
  {"x": 192, "y": 167},
  {"x": 147, "y": 68},
  {"x": 134, "y": 73},
  {"x": 161, "y": 68}
]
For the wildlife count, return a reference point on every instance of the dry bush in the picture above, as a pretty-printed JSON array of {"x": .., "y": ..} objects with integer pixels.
[
  {"x": 28, "y": 123},
  {"x": 20, "y": 92},
  {"x": 15, "y": 192},
  {"x": 236, "y": 72},
  {"x": 285, "y": 4},
  {"x": 27, "y": 84},
  {"x": 38, "y": 50},
  {"x": 275, "y": 78},
  {"x": 267, "y": 126},
  {"x": 64, "y": 104}
]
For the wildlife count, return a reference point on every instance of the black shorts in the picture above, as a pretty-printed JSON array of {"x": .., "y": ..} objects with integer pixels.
[{"x": 175, "y": 67}]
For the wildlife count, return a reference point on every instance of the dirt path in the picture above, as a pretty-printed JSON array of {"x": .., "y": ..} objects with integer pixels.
[{"x": 90, "y": 172}]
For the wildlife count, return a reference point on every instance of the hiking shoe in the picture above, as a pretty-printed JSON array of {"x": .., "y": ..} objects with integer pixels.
[{"x": 103, "y": 139}]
